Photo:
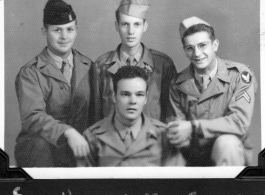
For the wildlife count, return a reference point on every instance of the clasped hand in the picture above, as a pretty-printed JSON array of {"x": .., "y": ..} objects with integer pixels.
[{"x": 179, "y": 133}]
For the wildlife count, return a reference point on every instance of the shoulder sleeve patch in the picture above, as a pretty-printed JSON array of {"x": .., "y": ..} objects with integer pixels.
[{"x": 246, "y": 77}]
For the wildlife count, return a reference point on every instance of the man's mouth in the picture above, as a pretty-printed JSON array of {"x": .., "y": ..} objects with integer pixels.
[
  {"x": 63, "y": 43},
  {"x": 130, "y": 38},
  {"x": 198, "y": 60},
  {"x": 132, "y": 109}
]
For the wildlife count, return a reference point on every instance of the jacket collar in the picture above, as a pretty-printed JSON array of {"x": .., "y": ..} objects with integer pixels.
[
  {"x": 47, "y": 66},
  {"x": 116, "y": 62},
  {"x": 110, "y": 120},
  {"x": 110, "y": 136},
  {"x": 186, "y": 81}
]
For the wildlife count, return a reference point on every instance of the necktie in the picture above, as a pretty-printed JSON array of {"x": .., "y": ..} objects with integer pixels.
[
  {"x": 131, "y": 61},
  {"x": 205, "y": 82},
  {"x": 66, "y": 70},
  {"x": 128, "y": 138}
]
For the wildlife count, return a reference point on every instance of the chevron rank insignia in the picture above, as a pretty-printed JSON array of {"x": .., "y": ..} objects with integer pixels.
[
  {"x": 246, "y": 77},
  {"x": 244, "y": 95}
]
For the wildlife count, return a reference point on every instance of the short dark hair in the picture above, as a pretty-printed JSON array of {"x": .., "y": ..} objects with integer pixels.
[
  {"x": 199, "y": 28},
  {"x": 117, "y": 15},
  {"x": 129, "y": 72}
]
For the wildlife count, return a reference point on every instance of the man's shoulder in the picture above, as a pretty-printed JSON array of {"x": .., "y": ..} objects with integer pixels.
[
  {"x": 236, "y": 66},
  {"x": 99, "y": 127},
  {"x": 103, "y": 58},
  {"x": 30, "y": 65},
  {"x": 160, "y": 54},
  {"x": 157, "y": 124},
  {"x": 84, "y": 59}
]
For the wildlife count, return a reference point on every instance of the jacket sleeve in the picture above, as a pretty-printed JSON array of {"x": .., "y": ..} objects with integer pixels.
[
  {"x": 168, "y": 74},
  {"x": 97, "y": 92},
  {"x": 240, "y": 109},
  {"x": 92, "y": 158},
  {"x": 32, "y": 107},
  {"x": 174, "y": 111}
]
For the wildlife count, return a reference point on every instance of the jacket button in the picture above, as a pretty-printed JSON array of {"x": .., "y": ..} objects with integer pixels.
[{"x": 61, "y": 87}]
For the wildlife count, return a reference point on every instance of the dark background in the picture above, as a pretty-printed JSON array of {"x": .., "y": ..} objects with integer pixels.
[{"x": 236, "y": 23}]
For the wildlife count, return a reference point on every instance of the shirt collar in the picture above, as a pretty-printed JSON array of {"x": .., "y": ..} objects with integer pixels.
[
  {"x": 135, "y": 129},
  {"x": 58, "y": 60},
  {"x": 116, "y": 63},
  {"x": 124, "y": 56},
  {"x": 212, "y": 73}
]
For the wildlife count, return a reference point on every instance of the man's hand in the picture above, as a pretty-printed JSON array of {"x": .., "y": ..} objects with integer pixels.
[
  {"x": 77, "y": 143},
  {"x": 179, "y": 133}
]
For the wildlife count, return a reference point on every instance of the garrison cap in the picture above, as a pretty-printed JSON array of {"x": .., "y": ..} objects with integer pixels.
[
  {"x": 135, "y": 8},
  {"x": 57, "y": 12},
  {"x": 185, "y": 24}
]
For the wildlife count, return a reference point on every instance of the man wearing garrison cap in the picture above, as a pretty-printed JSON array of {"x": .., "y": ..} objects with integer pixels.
[
  {"x": 212, "y": 103},
  {"x": 54, "y": 92},
  {"x": 131, "y": 24}
]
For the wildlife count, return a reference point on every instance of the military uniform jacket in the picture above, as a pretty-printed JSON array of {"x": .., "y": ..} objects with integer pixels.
[
  {"x": 160, "y": 69},
  {"x": 150, "y": 148},
  {"x": 225, "y": 107},
  {"x": 48, "y": 105}
]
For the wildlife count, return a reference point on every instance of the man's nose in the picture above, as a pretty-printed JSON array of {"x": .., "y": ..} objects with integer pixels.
[
  {"x": 63, "y": 34},
  {"x": 133, "y": 99},
  {"x": 197, "y": 51},
  {"x": 130, "y": 29}
]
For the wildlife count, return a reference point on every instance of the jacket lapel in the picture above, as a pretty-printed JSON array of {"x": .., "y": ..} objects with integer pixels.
[
  {"x": 48, "y": 67},
  {"x": 110, "y": 137},
  {"x": 186, "y": 83},
  {"x": 145, "y": 138},
  {"x": 81, "y": 67},
  {"x": 115, "y": 61},
  {"x": 217, "y": 85}
]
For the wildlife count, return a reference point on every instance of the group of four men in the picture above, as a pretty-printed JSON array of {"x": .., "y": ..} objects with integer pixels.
[{"x": 131, "y": 107}]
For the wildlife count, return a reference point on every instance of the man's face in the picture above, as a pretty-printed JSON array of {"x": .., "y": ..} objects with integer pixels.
[
  {"x": 60, "y": 38},
  {"x": 201, "y": 51},
  {"x": 131, "y": 30},
  {"x": 130, "y": 98}
]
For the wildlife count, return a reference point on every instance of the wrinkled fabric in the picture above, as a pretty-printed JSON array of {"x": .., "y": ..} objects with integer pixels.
[
  {"x": 151, "y": 147},
  {"x": 160, "y": 69},
  {"x": 48, "y": 105},
  {"x": 225, "y": 107}
]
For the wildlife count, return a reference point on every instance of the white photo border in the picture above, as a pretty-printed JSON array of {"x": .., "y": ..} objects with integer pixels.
[{"x": 115, "y": 173}]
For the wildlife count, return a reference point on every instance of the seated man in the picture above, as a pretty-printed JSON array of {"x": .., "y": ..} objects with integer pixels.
[
  {"x": 55, "y": 96},
  {"x": 127, "y": 137},
  {"x": 212, "y": 102}
]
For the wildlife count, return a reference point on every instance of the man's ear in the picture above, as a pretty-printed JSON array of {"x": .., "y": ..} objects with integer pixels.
[
  {"x": 114, "y": 98},
  {"x": 146, "y": 97},
  {"x": 145, "y": 25},
  {"x": 44, "y": 31},
  {"x": 117, "y": 26},
  {"x": 215, "y": 45}
]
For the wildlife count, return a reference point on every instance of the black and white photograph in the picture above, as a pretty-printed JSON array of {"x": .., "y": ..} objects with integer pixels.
[{"x": 136, "y": 88}]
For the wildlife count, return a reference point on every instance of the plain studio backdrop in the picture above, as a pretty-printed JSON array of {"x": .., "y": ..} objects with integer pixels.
[{"x": 236, "y": 24}]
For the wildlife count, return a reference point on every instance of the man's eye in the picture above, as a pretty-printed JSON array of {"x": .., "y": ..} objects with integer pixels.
[
  {"x": 189, "y": 48},
  {"x": 202, "y": 46}
]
